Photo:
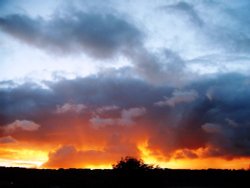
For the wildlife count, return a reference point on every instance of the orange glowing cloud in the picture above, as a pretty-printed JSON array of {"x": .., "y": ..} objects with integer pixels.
[{"x": 105, "y": 125}]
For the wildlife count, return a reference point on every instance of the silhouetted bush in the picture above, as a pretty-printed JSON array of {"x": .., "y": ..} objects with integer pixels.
[{"x": 131, "y": 163}]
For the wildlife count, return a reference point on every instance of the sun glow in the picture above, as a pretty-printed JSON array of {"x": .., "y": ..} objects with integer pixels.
[
  {"x": 103, "y": 166},
  {"x": 28, "y": 158},
  {"x": 191, "y": 163},
  {"x": 147, "y": 157}
]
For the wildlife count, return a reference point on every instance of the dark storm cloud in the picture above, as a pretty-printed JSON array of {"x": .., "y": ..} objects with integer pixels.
[
  {"x": 225, "y": 115},
  {"x": 99, "y": 35},
  {"x": 219, "y": 120},
  {"x": 28, "y": 99}
]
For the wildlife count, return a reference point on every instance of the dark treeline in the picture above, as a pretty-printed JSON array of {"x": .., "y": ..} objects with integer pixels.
[{"x": 20, "y": 177}]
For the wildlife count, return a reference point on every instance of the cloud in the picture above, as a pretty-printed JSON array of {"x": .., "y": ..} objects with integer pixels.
[
  {"x": 101, "y": 36},
  {"x": 163, "y": 68},
  {"x": 185, "y": 154},
  {"x": 127, "y": 118},
  {"x": 107, "y": 108},
  {"x": 211, "y": 128},
  {"x": 209, "y": 94},
  {"x": 155, "y": 53},
  {"x": 24, "y": 125},
  {"x": 228, "y": 101},
  {"x": 183, "y": 88},
  {"x": 178, "y": 97},
  {"x": 186, "y": 10},
  {"x": 217, "y": 22},
  {"x": 97, "y": 121},
  {"x": 68, "y": 156},
  {"x": 98, "y": 35},
  {"x": 128, "y": 115},
  {"x": 62, "y": 157},
  {"x": 166, "y": 130},
  {"x": 231, "y": 122},
  {"x": 68, "y": 107},
  {"x": 7, "y": 140}
]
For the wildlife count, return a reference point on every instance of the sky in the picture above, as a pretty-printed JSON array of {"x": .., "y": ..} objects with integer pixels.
[{"x": 84, "y": 83}]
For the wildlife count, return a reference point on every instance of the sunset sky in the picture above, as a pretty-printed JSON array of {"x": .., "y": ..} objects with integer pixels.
[{"x": 86, "y": 82}]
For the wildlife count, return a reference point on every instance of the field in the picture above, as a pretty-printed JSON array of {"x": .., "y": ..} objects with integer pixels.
[{"x": 20, "y": 177}]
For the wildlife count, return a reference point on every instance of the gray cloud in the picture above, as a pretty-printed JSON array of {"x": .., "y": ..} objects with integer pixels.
[
  {"x": 178, "y": 97},
  {"x": 220, "y": 31},
  {"x": 99, "y": 35},
  {"x": 186, "y": 10},
  {"x": 211, "y": 128},
  {"x": 215, "y": 28},
  {"x": 165, "y": 68},
  {"x": 99, "y": 122},
  {"x": 225, "y": 24},
  {"x": 107, "y": 108},
  {"x": 127, "y": 115},
  {"x": 68, "y": 107},
  {"x": 126, "y": 118}
]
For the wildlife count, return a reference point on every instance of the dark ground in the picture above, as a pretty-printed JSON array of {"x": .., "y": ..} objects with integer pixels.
[{"x": 157, "y": 178}]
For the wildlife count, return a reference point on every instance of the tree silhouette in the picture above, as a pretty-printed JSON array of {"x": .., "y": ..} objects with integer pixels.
[{"x": 131, "y": 163}]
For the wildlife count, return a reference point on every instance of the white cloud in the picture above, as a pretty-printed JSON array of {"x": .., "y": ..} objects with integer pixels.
[
  {"x": 128, "y": 115},
  {"x": 97, "y": 121},
  {"x": 25, "y": 125},
  {"x": 178, "y": 97},
  {"x": 69, "y": 107},
  {"x": 107, "y": 108}
]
